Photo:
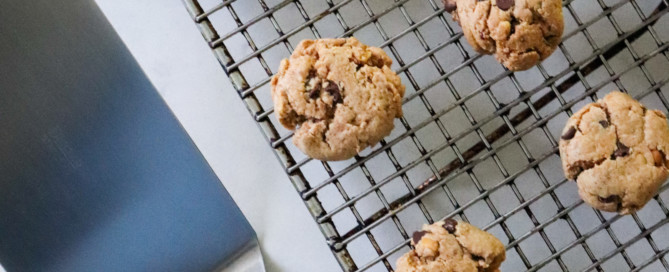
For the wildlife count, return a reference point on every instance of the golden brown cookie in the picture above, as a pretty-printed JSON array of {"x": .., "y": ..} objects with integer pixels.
[
  {"x": 616, "y": 150},
  {"x": 452, "y": 246},
  {"x": 339, "y": 95},
  {"x": 520, "y": 33}
]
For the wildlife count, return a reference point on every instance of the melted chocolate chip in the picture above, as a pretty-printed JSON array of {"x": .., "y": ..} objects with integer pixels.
[
  {"x": 604, "y": 123},
  {"x": 333, "y": 90},
  {"x": 312, "y": 74},
  {"x": 622, "y": 150},
  {"x": 514, "y": 22},
  {"x": 585, "y": 165},
  {"x": 417, "y": 236},
  {"x": 450, "y": 5},
  {"x": 571, "y": 132},
  {"x": 505, "y": 4},
  {"x": 609, "y": 199},
  {"x": 315, "y": 92},
  {"x": 449, "y": 225},
  {"x": 477, "y": 258},
  {"x": 579, "y": 166}
]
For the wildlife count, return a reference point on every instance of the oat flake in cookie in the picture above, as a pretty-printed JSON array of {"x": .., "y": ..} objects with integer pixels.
[
  {"x": 452, "y": 246},
  {"x": 616, "y": 150},
  {"x": 339, "y": 95},
  {"x": 520, "y": 33}
]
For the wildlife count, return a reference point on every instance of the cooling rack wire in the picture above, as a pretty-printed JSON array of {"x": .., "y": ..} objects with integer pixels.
[{"x": 477, "y": 142}]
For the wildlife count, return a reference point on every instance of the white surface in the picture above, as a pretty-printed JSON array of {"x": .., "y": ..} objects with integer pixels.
[{"x": 176, "y": 59}]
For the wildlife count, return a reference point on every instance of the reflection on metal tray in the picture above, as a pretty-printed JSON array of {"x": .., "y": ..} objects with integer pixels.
[
  {"x": 476, "y": 142},
  {"x": 96, "y": 173}
]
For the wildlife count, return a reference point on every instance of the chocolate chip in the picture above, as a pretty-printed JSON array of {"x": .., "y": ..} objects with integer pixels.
[
  {"x": 417, "y": 236},
  {"x": 585, "y": 165},
  {"x": 477, "y": 258},
  {"x": 609, "y": 199},
  {"x": 658, "y": 157},
  {"x": 622, "y": 150},
  {"x": 505, "y": 4},
  {"x": 604, "y": 123},
  {"x": 449, "y": 225},
  {"x": 450, "y": 5},
  {"x": 579, "y": 166},
  {"x": 571, "y": 132},
  {"x": 514, "y": 22},
  {"x": 312, "y": 74},
  {"x": 315, "y": 92},
  {"x": 333, "y": 90}
]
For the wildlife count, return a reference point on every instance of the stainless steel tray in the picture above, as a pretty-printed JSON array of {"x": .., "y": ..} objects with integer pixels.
[{"x": 97, "y": 174}]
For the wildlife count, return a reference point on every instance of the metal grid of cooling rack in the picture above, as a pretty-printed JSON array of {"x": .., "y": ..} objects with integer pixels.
[{"x": 476, "y": 142}]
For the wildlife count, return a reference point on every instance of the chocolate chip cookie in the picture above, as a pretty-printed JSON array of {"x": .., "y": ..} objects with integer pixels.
[
  {"x": 339, "y": 95},
  {"x": 520, "y": 33},
  {"x": 452, "y": 246},
  {"x": 616, "y": 150}
]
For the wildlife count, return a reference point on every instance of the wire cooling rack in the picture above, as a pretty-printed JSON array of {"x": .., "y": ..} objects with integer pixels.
[{"x": 477, "y": 142}]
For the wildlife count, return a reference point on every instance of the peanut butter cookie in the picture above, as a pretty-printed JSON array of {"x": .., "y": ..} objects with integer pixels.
[
  {"x": 616, "y": 150},
  {"x": 339, "y": 95},
  {"x": 452, "y": 246},
  {"x": 520, "y": 33}
]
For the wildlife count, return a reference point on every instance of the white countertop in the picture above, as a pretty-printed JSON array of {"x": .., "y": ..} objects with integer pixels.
[{"x": 176, "y": 59}]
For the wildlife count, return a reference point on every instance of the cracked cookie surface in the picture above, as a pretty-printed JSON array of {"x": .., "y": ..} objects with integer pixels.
[
  {"x": 452, "y": 246},
  {"x": 519, "y": 33},
  {"x": 339, "y": 95},
  {"x": 616, "y": 150}
]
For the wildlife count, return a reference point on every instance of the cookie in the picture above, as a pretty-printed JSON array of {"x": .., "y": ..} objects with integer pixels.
[
  {"x": 616, "y": 150},
  {"x": 521, "y": 33},
  {"x": 339, "y": 95},
  {"x": 452, "y": 246}
]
